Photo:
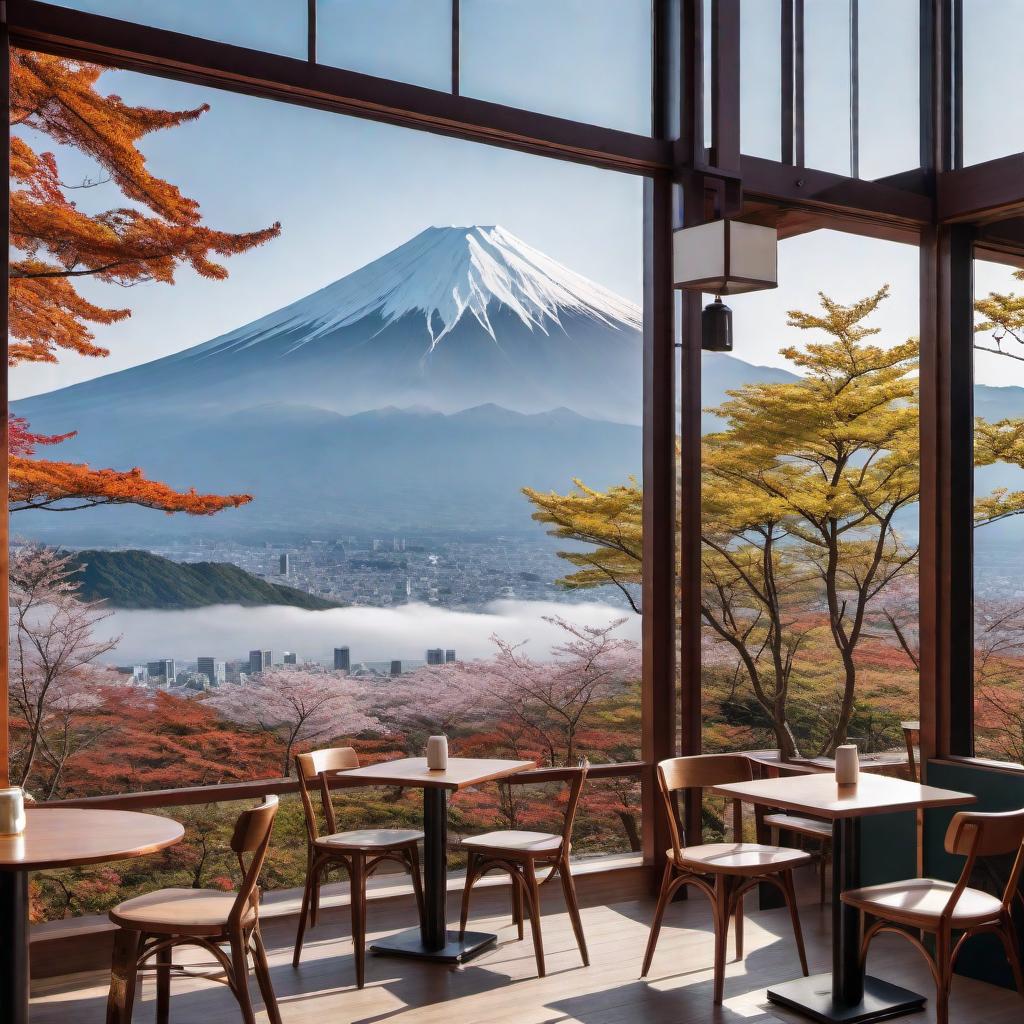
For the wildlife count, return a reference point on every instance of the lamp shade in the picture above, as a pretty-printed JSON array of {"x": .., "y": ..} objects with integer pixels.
[{"x": 725, "y": 257}]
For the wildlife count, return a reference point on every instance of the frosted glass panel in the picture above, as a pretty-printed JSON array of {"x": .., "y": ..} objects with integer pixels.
[
  {"x": 408, "y": 40},
  {"x": 827, "y": 85},
  {"x": 573, "y": 58},
  {"x": 993, "y": 113},
  {"x": 889, "y": 87},
  {"x": 274, "y": 26},
  {"x": 761, "y": 78}
]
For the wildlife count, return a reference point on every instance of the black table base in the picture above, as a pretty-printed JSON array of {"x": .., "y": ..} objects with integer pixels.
[
  {"x": 454, "y": 951},
  {"x": 14, "y": 946},
  {"x": 845, "y": 996},
  {"x": 813, "y": 998},
  {"x": 433, "y": 941}
]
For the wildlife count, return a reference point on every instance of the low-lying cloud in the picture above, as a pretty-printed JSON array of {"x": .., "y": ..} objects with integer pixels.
[{"x": 372, "y": 634}]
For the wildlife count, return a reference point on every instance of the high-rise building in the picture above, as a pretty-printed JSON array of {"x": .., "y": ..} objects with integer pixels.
[
  {"x": 165, "y": 668},
  {"x": 260, "y": 661},
  {"x": 396, "y": 668},
  {"x": 342, "y": 660},
  {"x": 291, "y": 658},
  {"x": 449, "y": 655},
  {"x": 215, "y": 671},
  {"x": 286, "y": 564},
  {"x": 435, "y": 656}
]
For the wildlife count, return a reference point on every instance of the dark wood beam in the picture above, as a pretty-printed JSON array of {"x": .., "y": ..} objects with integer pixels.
[
  {"x": 766, "y": 179},
  {"x": 991, "y": 190},
  {"x": 187, "y": 58},
  {"x": 725, "y": 84}
]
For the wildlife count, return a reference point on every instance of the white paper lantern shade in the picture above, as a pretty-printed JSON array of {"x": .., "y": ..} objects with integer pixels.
[{"x": 725, "y": 257}]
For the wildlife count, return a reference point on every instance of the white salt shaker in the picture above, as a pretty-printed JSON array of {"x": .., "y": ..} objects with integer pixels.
[
  {"x": 847, "y": 765},
  {"x": 12, "y": 811},
  {"x": 437, "y": 753}
]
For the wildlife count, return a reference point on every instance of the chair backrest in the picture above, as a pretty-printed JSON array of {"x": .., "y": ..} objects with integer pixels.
[
  {"x": 575, "y": 777},
  {"x": 687, "y": 773},
  {"x": 252, "y": 837},
  {"x": 310, "y": 768},
  {"x": 974, "y": 834},
  {"x": 912, "y": 739}
]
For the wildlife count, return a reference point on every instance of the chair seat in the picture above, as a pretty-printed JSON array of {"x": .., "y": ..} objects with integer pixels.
[
  {"x": 178, "y": 912},
  {"x": 515, "y": 842},
  {"x": 369, "y": 839},
  {"x": 920, "y": 902},
  {"x": 802, "y": 826},
  {"x": 740, "y": 858}
]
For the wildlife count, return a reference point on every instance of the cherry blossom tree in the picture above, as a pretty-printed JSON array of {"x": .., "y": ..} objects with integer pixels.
[
  {"x": 299, "y": 706},
  {"x": 52, "y": 650}
]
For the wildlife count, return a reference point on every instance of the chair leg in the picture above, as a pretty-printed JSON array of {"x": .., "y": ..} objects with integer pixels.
[
  {"x": 786, "y": 878},
  {"x": 739, "y": 928},
  {"x": 261, "y": 968},
  {"x": 659, "y": 913},
  {"x": 123, "y": 972},
  {"x": 943, "y": 955},
  {"x": 517, "y": 908},
  {"x": 466, "y": 890},
  {"x": 533, "y": 890},
  {"x": 723, "y": 887},
  {"x": 163, "y": 986},
  {"x": 572, "y": 905},
  {"x": 417, "y": 881},
  {"x": 823, "y": 874},
  {"x": 307, "y": 895},
  {"x": 240, "y": 977},
  {"x": 1008, "y": 933},
  {"x": 357, "y": 885}
]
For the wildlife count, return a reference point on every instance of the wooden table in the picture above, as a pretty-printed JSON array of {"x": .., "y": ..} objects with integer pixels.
[
  {"x": 433, "y": 941},
  {"x": 57, "y": 837},
  {"x": 845, "y": 995}
]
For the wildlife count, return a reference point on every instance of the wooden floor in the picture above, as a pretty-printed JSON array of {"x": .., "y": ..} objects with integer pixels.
[{"x": 501, "y": 986}]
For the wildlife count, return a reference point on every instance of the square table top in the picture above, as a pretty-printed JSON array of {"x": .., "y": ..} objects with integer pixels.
[
  {"x": 461, "y": 773},
  {"x": 821, "y": 796}
]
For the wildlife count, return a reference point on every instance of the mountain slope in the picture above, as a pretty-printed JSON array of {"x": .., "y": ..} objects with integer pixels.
[
  {"x": 453, "y": 318},
  {"x": 139, "y": 579}
]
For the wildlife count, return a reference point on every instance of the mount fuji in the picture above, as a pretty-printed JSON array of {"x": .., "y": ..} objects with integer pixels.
[{"x": 453, "y": 318}]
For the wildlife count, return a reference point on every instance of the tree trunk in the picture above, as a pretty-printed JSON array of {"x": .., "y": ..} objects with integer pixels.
[{"x": 632, "y": 831}]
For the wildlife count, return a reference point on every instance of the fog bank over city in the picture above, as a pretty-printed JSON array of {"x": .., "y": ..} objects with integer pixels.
[{"x": 373, "y": 634}]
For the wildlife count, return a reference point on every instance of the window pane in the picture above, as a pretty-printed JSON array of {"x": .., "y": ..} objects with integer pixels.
[
  {"x": 827, "y": 85},
  {"x": 408, "y": 40},
  {"x": 275, "y": 26},
  {"x": 761, "y": 78},
  {"x": 572, "y": 58},
  {"x": 993, "y": 41},
  {"x": 999, "y": 525},
  {"x": 889, "y": 87},
  {"x": 770, "y": 428}
]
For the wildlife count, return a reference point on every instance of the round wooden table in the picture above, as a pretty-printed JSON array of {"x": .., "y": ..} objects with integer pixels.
[{"x": 58, "y": 837}]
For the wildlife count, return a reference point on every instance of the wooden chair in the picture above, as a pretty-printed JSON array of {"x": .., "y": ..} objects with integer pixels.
[
  {"x": 154, "y": 924},
  {"x": 724, "y": 872},
  {"x": 945, "y": 908},
  {"x": 912, "y": 739},
  {"x": 359, "y": 852},
  {"x": 520, "y": 854}
]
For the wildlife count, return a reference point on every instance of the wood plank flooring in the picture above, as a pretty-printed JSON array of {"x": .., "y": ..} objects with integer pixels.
[{"x": 501, "y": 986}]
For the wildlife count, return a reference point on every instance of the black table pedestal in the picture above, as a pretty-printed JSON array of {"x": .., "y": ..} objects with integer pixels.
[
  {"x": 845, "y": 996},
  {"x": 14, "y": 946},
  {"x": 434, "y": 941}
]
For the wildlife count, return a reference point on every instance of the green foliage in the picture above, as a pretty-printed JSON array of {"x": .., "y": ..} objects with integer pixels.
[{"x": 139, "y": 579}]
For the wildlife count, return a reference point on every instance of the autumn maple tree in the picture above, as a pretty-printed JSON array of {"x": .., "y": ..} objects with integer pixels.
[{"x": 155, "y": 232}]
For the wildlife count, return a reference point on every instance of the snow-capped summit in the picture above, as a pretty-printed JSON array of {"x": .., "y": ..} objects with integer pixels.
[
  {"x": 454, "y": 318},
  {"x": 440, "y": 275}
]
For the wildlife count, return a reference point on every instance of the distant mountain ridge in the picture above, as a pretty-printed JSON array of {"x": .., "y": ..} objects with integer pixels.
[{"x": 140, "y": 579}]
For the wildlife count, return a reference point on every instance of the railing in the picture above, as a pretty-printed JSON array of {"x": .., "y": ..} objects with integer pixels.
[{"x": 225, "y": 792}]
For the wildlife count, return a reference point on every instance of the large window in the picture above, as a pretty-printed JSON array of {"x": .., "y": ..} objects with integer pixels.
[
  {"x": 382, "y": 407},
  {"x": 999, "y": 503},
  {"x": 810, "y": 523}
]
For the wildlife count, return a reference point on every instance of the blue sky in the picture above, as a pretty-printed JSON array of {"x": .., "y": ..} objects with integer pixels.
[{"x": 347, "y": 190}]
